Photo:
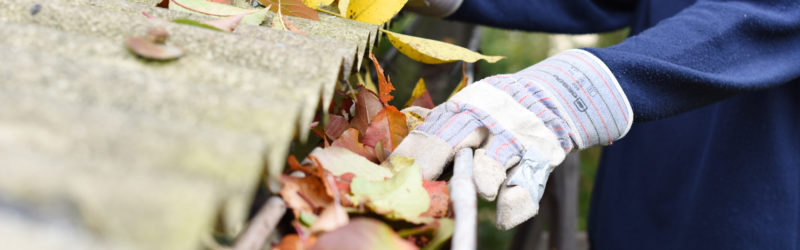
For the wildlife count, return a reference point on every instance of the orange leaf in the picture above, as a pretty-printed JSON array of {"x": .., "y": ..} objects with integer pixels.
[
  {"x": 388, "y": 127},
  {"x": 440, "y": 198},
  {"x": 291, "y": 7},
  {"x": 384, "y": 86},
  {"x": 307, "y": 194},
  {"x": 367, "y": 106},
  {"x": 228, "y": 2},
  {"x": 349, "y": 140}
]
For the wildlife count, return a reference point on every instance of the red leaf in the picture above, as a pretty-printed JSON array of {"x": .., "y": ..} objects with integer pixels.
[
  {"x": 440, "y": 198},
  {"x": 292, "y": 8},
  {"x": 424, "y": 101},
  {"x": 336, "y": 125},
  {"x": 389, "y": 127},
  {"x": 367, "y": 106},
  {"x": 343, "y": 185},
  {"x": 384, "y": 86},
  {"x": 228, "y": 2},
  {"x": 363, "y": 233},
  {"x": 349, "y": 140}
]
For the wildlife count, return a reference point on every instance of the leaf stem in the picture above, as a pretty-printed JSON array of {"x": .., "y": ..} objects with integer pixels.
[{"x": 330, "y": 13}]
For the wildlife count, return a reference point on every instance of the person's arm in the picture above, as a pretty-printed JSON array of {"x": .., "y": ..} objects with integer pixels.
[
  {"x": 558, "y": 16},
  {"x": 707, "y": 52}
]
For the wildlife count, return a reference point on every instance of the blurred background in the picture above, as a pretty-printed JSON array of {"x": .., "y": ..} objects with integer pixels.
[{"x": 521, "y": 49}]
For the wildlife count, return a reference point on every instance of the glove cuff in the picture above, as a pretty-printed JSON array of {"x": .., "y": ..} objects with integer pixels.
[{"x": 587, "y": 95}]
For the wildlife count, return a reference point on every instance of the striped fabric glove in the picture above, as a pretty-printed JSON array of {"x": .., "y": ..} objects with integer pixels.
[{"x": 522, "y": 125}]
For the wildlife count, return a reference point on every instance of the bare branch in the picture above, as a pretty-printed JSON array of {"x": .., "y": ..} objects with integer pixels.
[{"x": 262, "y": 225}]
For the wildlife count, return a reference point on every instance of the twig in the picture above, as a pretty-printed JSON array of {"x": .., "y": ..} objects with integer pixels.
[
  {"x": 465, "y": 202},
  {"x": 262, "y": 225},
  {"x": 329, "y": 12}
]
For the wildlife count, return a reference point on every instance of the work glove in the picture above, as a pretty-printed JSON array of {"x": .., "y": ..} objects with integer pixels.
[{"x": 522, "y": 126}]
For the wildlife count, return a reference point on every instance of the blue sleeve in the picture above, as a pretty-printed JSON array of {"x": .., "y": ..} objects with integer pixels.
[
  {"x": 557, "y": 16},
  {"x": 705, "y": 53}
]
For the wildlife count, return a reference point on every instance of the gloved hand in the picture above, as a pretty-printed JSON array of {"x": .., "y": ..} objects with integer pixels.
[{"x": 522, "y": 125}]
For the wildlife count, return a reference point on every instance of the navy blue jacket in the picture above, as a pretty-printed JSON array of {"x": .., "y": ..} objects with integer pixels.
[{"x": 713, "y": 159}]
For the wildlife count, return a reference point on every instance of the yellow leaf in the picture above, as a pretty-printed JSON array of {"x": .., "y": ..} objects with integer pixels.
[
  {"x": 314, "y": 4},
  {"x": 434, "y": 52},
  {"x": 419, "y": 89},
  {"x": 368, "y": 81},
  {"x": 342, "y": 5},
  {"x": 374, "y": 11}
]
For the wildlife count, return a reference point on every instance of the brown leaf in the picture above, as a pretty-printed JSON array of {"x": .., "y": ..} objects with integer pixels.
[
  {"x": 367, "y": 106},
  {"x": 291, "y": 7},
  {"x": 336, "y": 125},
  {"x": 306, "y": 194},
  {"x": 388, "y": 127},
  {"x": 384, "y": 86},
  {"x": 440, "y": 198},
  {"x": 150, "y": 50},
  {"x": 349, "y": 140},
  {"x": 163, "y": 4},
  {"x": 362, "y": 233}
]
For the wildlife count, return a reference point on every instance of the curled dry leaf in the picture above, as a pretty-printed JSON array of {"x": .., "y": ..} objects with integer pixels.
[
  {"x": 153, "y": 51},
  {"x": 306, "y": 194},
  {"x": 434, "y": 52},
  {"x": 384, "y": 85},
  {"x": 157, "y": 34},
  {"x": 363, "y": 234},
  {"x": 373, "y": 11},
  {"x": 349, "y": 140}
]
